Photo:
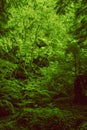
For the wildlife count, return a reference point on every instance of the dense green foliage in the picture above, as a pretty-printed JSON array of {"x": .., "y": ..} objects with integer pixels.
[{"x": 43, "y": 47}]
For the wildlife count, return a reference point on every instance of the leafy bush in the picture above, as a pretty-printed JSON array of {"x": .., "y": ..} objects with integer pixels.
[
  {"x": 34, "y": 97},
  {"x": 11, "y": 91},
  {"x": 6, "y": 69},
  {"x": 47, "y": 119},
  {"x": 38, "y": 119}
]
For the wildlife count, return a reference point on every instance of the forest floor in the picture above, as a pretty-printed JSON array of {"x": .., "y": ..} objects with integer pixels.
[{"x": 58, "y": 115}]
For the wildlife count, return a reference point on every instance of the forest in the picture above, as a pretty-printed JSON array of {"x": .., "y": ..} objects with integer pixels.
[{"x": 43, "y": 65}]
